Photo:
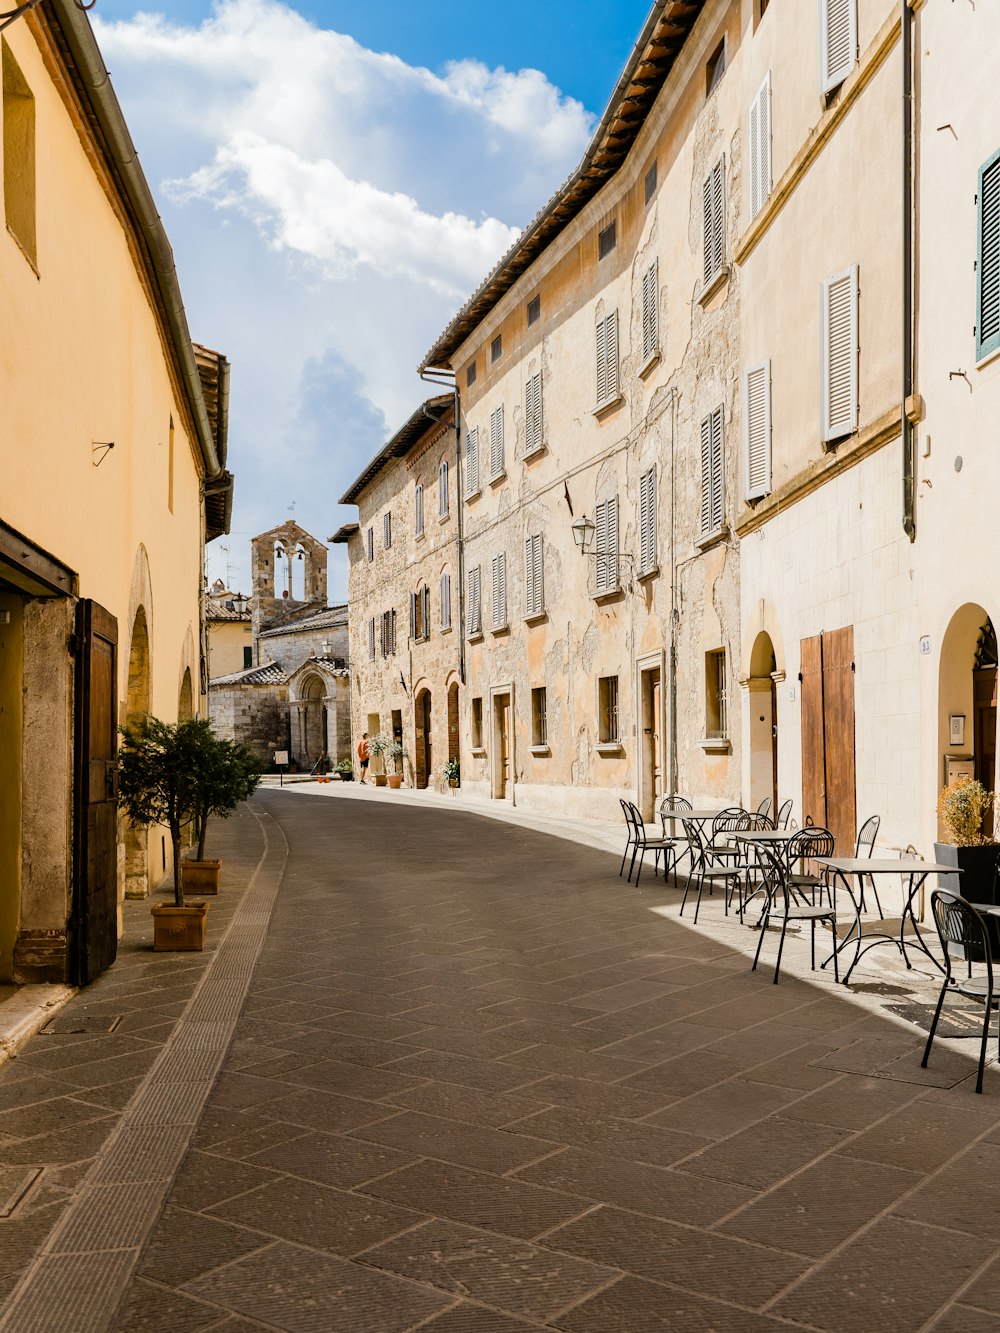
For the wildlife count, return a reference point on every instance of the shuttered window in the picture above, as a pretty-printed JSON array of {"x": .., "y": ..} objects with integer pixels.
[
  {"x": 757, "y": 430},
  {"x": 420, "y": 614},
  {"x": 472, "y": 461},
  {"x": 534, "y": 580},
  {"x": 606, "y": 545},
  {"x": 650, "y": 312},
  {"x": 475, "y": 600},
  {"x": 418, "y": 510},
  {"x": 840, "y": 354},
  {"x": 712, "y": 471},
  {"x": 370, "y": 544},
  {"x": 607, "y": 358},
  {"x": 388, "y": 633},
  {"x": 533, "y": 414},
  {"x": 499, "y": 590},
  {"x": 714, "y": 211},
  {"x": 444, "y": 500},
  {"x": 445, "y": 595},
  {"x": 760, "y": 148},
  {"x": 838, "y": 41},
  {"x": 988, "y": 259},
  {"x": 647, "y": 521},
  {"x": 371, "y": 639},
  {"x": 496, "y": 443},
  {"x": 387, "y": 528}
]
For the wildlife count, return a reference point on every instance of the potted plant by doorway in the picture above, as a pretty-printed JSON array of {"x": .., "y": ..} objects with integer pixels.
[
  {"x": 224, "y": 775},
  {"x": 452, "y": 773},
  {"x": 156, "y": 764},
  {"x": 345, "y": 770},
  {"x": 377, "y": 746},
  {"x": 962, "y": 807},
  {"x": 395, "y": 753}
]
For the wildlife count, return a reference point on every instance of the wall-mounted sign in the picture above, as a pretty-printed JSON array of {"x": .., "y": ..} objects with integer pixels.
[
  {"x": 956, "y": 729},
  {"x": 281, "y": 758},
  {"x": 925, "y": 645}
]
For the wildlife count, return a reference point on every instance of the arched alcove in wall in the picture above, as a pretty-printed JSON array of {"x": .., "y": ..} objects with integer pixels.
[
  {"x": 137, "y": 705},
  {"x": 967, "y": 697},
  {"x": 761, "y": 703}
]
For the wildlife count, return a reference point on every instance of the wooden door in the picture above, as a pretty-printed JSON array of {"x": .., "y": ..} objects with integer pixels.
[
  {"x": 829, "y": 780},
  {"x": 813, "y": 740},
  {"x": 657, "y": 743},
  {"x": 984, "y": 732},
  {"x": 93, "y": 924},
  {"x": 838, "y": 730},
  {"x": 503, "y": 738}
]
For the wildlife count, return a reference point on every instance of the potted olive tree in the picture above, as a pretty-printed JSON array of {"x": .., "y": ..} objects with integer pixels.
[
  {"x": 224, "y": 774},
  {"x": 962, "y": 807},
  {"x": 156, "y": 786},
  {"x": 395, "y": 753},
  {"x": 377, "y": 746}
]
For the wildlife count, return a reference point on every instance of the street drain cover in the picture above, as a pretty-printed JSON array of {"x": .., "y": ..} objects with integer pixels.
[
  {"x": 15, "y": 1182},
  {"x": 70, "y": 1024}
]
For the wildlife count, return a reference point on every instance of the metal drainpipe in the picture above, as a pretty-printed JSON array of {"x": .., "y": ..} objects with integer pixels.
[{"x": 906, "y": 27}]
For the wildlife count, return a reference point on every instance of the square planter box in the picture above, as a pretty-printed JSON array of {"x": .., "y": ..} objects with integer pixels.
[
  {"x": 179, "y": 929},
  {"x": 201, "y": 877},
  {"x": 975, "y": 884}
]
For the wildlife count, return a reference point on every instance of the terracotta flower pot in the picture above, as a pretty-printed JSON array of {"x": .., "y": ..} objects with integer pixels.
[
  {"x": 380, "y": 779},
  {"x": 179, "y": 929},
  {"x": 453, "y": 782},
  {"x": 395, "y": 780},
  {"x": 200, "y": 876}
]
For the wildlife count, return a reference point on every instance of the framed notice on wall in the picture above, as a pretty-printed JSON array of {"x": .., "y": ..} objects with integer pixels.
[{"x": 956, "y": 730}]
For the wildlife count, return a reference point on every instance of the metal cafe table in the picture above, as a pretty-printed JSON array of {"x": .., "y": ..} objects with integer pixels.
[{"x": 843, "y": 868}]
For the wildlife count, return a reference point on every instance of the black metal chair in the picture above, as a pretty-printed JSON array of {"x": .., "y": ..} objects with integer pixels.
[
  {"x": 960, "y": 927},
  {"x": 727, "y": 821},
  {"x": 865, "y": 845},
  {"x": 681, "y": 846},
  {"x": 706, "y": 865},
  {"x": 784, "y": 814},
  {"x": 765, "y": 806},
  {"x": 779, "y": 902},
  {"x": 641, "y": 841},
  {"x": 803, "y": 846}
]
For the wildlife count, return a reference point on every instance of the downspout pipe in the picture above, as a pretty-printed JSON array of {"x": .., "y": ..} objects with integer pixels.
[
  {"x": 906, "y": 32},
  {"x": 95, "y": 82}
]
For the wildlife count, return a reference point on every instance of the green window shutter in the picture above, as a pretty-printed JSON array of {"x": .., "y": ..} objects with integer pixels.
[{"x": 988, "y": 259}]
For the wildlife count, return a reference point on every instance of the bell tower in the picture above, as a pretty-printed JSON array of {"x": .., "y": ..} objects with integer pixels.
[{"x": 289, "y": 578}]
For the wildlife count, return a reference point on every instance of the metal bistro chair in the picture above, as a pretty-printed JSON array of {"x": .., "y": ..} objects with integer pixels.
[
  {"x": 640, "y": 840},
  {"x": 960, "y": 925},
  {"x": 705, "y": 865},
  {"x": 867, "y": 834},
  {"x": 784, "y": 814},
  {"x": 779, "y": 903},
  {"x": 731, "y": 820},
  {"x": 765, "y": 806},
  {"x": 681, "y": 847},
  {"x": 805, "y": 845}
]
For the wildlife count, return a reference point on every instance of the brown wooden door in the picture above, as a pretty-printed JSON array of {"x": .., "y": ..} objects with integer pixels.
[
  {"x": 503, "y": 726},
  {"x": 984, "y": 732},
  {"x": 829, "y": 781},
  {"x": 93, "y": 924}
]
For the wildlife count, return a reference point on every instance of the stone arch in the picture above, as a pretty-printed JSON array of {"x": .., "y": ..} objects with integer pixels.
[
  {"x": 187, "y": 676},
  {"x": 454, "y": 722},
  {"x": 422, "y": 725},
  {"x": 762, "y": 620},
  {"x": 967, "y": 687},
  {"x": 185, "y": 698}
]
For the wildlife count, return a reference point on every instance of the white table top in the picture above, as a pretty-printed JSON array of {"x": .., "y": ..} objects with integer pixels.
[
  {"x": 765, "y": 835},
  {"x": 696, "y": 816},
  {"x": 862, "y": 865}
]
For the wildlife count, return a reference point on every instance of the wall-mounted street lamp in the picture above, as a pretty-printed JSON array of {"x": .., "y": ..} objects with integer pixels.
[
  {"x": 583, "y": 534},
  {"x": 327, "y": 647},
  {"x": 240, "y": 604}
]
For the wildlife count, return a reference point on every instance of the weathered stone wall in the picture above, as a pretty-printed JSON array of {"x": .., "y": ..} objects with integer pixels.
[
  {"x": 293, "y": 648},
  {"x": 276, "y": 606},
  {"x": 254, "y": 715}
]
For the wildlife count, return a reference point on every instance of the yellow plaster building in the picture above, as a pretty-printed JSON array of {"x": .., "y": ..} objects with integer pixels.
[{"x": 112, "y": 447}]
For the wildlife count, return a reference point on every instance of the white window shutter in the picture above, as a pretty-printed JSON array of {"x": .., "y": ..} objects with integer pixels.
[
  {"x": 613, "y": 542},
  {"x": 371, "y": 638},
  {"x": 418, "y": 509},
  {"x": 838, "y": 41},
  {"x": 534, "y": 593},
  {"x": 472, "y": 461},
  {"x": 533, "y": 414},
  {"x": 538, "y": 577},
  {"x": 840, "y": 354},
  {"x": 712, "y": 462},
  {"x": 647, "y": 520},
  {"x": 718, "y": 473},
  {"x": 443, "y": 497},
  {"x": 757, "y": 430},
  {"x": 706, "y": 476},
  {"x": 988, "y": 257},
  {"x": 760, "y": 148},
  {"x": 499, "y": 590},
  {"x": 714, "y": 214},
  {"x": 612, "y": 354},
  {"x": 475, "y": 600},
  {"x": 602, "y": 360},
  {"x": 650, "y": 312},
  {"x": 496, "y": 441},
  {"x": 601, "y": 547}
]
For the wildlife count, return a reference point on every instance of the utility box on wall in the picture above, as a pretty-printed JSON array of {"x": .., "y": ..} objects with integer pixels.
[{"x": 958, "y": 766}]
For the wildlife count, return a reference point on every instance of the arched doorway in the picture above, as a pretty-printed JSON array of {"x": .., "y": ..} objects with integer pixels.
[
  {"x": 967, "y": 699},
  {"x": 453, "y": 722},
  {"x": 314, "y": 724},
  {"x": 137, "y": 702},
  {"x": 422, "y": 758},
  {"x": 762, "y": 712},
  {"x": 185, "y": 700}
]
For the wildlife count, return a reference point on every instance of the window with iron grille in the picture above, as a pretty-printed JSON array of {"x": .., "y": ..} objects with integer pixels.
[
  {"x": 472, "y": 462},
  {"x": 534, "y": 583},
  {"x": 475, "y": 600},
  {"x": 607, "y": 358},
  {"x": 539, "y": 722},
  {"x": 607, "y": 698},
  {"x": 716, "y": 695},
  {"x": 444, "y": 499},
  {"x": 477, "y": 724},
  {"x": 445, "y": 596},
  {"x": 607, "y": 240},
  {"x": 418, "y": 510}
]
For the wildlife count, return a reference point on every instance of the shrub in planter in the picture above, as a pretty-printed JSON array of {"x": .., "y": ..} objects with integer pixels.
[
  {"x": 377, "y": 746},
  {"x": 345, "y": 770},
  {"x": 452, "y": 773},
  {"x": 962, "y": 807},
  {"x": 225, "y": 774},
  {"x": 395, "y": 752}
]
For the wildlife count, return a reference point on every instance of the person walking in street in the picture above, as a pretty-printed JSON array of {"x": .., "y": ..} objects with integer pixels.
[{"x": 364, "y": 754}]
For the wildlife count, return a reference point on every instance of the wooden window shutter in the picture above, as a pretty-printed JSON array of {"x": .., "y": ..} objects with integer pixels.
[
  {"x": 496, "y": 441},
  {"x": 413, "y": 615},
  {"x": 371, "y": 638},
  {"x": 472, "y": 461},
  {"x": 612, "y": 354},
  {"x": 647, "y": 520},
  {"x": 988, "y": 259},
  {"x": 714, "y": 213},
  {"x": 602, "y": 360},
  {"x": 712, "y": 473},
  {"x": 650, "y": 312},
  {"x": 426, "y": 598},
  {"x": 838, "y": 41},
  {"x": 760, "y": 147},
  {"x": 757, "y": 430},
  {"x": 606, "y": 538},
  {"x": 392, "y": 630},
  {"x": 499, "y": 590},
  {"x": 706, "y": 476},
  {"x": 445, "y": 601},
  {"x": 533, "y": 578},
  {"x": 475, "y": 600},
  {"x": 840, "y": 354},
  {"x": 370, "y": 543},
  {"x": 533, "y": 414},
  {"x": 443, "y": 497},
  {"x": 418, "y": 509}
]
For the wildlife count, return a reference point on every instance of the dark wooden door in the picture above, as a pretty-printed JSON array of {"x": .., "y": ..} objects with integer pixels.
[
  {"x": 829, "y": 780},
  {"x": 93, "y": 925},
  {"x": 813, "y": 738},
  {"x": 984, "y": 732},
  {"x": 838, "y": 731}
]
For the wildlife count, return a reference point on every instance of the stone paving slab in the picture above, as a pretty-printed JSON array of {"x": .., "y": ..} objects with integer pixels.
[{"x": 480, "y": 1085}]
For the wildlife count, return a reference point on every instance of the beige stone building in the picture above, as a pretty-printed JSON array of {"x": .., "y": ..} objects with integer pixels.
[
  {"x": 113, "y": 450},
  {"x": 405, "y": 593},
  {"x": 228, "y": 631}
]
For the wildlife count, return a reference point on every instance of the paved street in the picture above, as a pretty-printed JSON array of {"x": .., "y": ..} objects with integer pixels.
[{"x": 481, "y": 1085}]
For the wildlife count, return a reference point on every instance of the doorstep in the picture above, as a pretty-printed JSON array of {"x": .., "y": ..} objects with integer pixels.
[{"x": 24, "y": 1010}]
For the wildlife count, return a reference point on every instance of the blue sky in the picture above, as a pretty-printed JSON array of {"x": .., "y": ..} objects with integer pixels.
[{"x": 336, "y": 179}]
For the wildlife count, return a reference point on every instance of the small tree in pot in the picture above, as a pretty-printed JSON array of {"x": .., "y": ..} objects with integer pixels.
[
  {"x": 395, "y": 752},
  {"x": 962, "y": 808},
  {"x": 156, "y": 786},
  {"x": 377, "y": 746},
  {"x": 224, "y": 775}
]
